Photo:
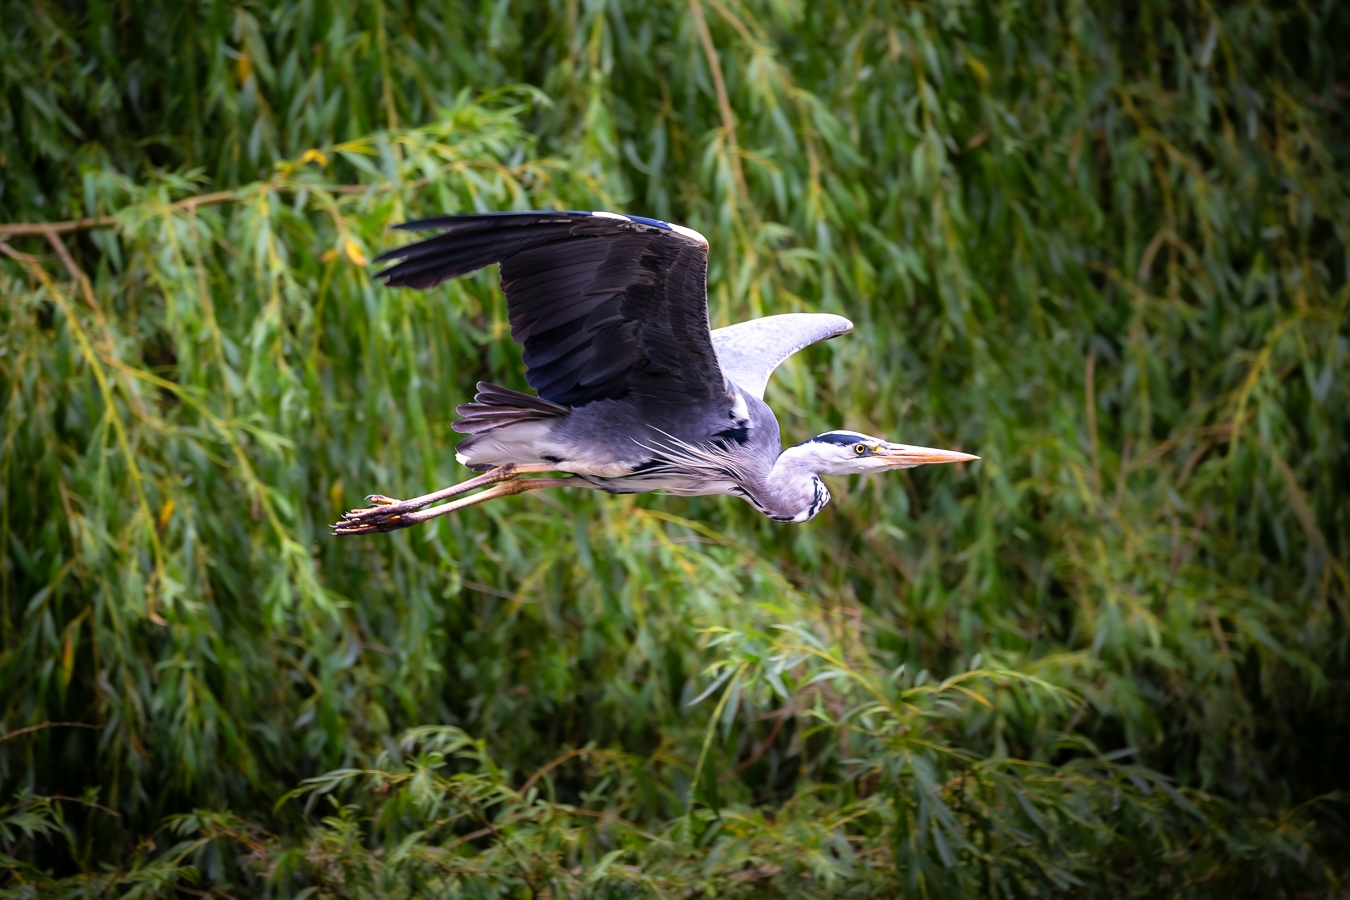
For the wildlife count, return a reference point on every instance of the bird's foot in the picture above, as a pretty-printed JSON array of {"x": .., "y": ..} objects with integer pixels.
[{"x": 384, "y": 514}]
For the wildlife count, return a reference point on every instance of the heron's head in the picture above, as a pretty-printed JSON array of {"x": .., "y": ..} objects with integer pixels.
[{"x": 851, "y": 453}]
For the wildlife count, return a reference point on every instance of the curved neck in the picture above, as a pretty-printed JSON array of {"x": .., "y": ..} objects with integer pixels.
[{"x": 791, "y": 492}]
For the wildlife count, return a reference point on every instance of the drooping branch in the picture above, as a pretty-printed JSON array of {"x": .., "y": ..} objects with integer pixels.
[
  {"x": 52, "y": 229},
  {"x": 25, "y": 229},
  {"x": 723, "y": 99},
  {"x": 41, "y": 725},
  {"x": 32, "y": 229}
]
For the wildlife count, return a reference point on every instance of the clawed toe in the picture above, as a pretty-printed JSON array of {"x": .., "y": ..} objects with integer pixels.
[
  {"x": 383, "y": 508},
  {"x": 370, "y": 519},
  {"x": 371, "y": 515},
  {"x": 383, "y": 516},
  {"x": 346, "y": 528}
]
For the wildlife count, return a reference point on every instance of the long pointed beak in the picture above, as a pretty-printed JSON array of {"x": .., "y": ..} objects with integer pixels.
[{"x": 904, "y": 456}]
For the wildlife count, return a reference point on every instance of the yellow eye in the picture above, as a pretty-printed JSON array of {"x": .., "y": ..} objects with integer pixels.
[{"x": 859, "y": 449}]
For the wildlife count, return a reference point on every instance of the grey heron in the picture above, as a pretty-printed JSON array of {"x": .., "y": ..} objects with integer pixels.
[{"x": 635, "y": 391}]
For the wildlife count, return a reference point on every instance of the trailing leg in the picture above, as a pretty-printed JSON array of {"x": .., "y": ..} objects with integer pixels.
[
  {"x": 400, "y": 514},
  {"x": 388, "y": 507}
]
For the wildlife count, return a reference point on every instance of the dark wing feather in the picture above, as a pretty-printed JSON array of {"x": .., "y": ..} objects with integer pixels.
[{"x": 605, "y": 306}]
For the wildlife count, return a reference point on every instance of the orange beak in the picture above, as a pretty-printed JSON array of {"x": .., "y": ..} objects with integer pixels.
[{"x": 904, "y": 456}]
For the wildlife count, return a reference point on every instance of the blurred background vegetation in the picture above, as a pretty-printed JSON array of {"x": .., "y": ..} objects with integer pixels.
[{"x": 1104, "y": 246}]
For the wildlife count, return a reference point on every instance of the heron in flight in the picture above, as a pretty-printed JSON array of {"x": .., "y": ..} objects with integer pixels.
[{"x": 635, "y": 391}]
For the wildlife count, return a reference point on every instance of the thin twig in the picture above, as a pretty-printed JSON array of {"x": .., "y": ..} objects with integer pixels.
[
  {"x": 763, "y": 747},
  {"x": 550, "y": 766},
  {"x": 723, "y": 99},
  {"x": 51, "y": 229},
  {"x": 495, "y": 592},
  {"x": 196, "y": 893},
  {"x": 98, "y": 806},
  {"x": 20, "y": 257},
  {"x": 1180, "y": 556},
  {"x": 20, "y": 229},
  {"x": 76, "y": 273},
  {"x": 42, "y": 725},
  {"x": 1090, "y": 401},
  {"x": 474, "y": 835}
]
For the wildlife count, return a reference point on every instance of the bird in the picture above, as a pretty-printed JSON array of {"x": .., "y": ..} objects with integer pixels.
[{"x": 634, "y": 390}]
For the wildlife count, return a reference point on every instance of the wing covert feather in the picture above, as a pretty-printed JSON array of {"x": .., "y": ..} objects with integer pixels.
[{"x": 748, "y": 352}]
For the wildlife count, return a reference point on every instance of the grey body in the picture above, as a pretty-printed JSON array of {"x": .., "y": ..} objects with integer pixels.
[
  {"x": 611, "y": 445},
  {"x": 690, "y": 459},
  {"x": 635, "y": 391}
]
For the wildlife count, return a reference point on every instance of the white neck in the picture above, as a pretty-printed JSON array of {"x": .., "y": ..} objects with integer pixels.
[{"x": 792, "y": 492}]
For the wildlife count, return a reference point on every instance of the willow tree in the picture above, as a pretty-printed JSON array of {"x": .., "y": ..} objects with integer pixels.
[{"x": 1102, "y": 246}]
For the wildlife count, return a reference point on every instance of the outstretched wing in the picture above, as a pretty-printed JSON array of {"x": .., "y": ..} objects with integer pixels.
[
  {"x": 748, "y": 352},
  {"x": 606, "y": 306}
]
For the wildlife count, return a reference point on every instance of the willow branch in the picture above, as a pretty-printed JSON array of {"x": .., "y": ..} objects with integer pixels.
[
  {"x": 764, "y": 746},
  {"x": 52, "y": 229},
  {"x": 90, "y": 803},
  {"x": 23, "y": 229},
  {"x": 41, "y": 725},
  {"x": 49, "y": 229},
  {"x": 723, "y": 100},
  {"x": 74, "y": 271}
]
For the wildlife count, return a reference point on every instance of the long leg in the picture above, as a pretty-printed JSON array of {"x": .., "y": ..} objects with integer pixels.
[
  {"x": 387, "y": 507},
  {"x": 502, "y": 489}
]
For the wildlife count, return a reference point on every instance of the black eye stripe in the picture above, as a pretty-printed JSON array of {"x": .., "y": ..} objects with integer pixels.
[{"x": 842, "y": 438}]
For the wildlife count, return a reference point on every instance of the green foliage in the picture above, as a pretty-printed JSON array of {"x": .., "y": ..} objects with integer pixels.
[{"x": 1104, "y": 248}]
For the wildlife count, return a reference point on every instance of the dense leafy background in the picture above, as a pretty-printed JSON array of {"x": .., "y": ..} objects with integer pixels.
[{"x": 1101, "y": 245}]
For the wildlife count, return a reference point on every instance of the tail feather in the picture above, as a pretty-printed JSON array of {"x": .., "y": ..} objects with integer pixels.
[{"x": 496, "y": 407}]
